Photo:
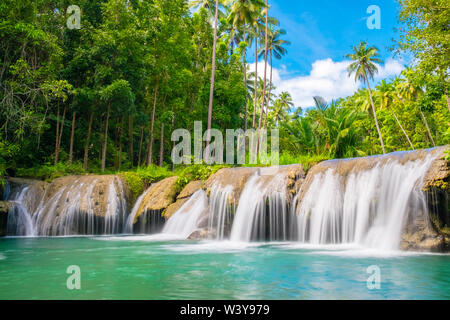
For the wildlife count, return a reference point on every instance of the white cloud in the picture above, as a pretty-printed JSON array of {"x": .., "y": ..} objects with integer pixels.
[{"x": 328, "y": 79}]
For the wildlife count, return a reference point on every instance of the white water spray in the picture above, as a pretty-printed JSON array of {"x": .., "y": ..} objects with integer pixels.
[
  {"x": 368, "y": 208},
  {"x": 184, "y": 222}
]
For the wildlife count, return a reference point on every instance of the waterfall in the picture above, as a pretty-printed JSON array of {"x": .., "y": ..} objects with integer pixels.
[
  {"x": 20, "y": 221},
  {"x": 6, "y": 190},
  {"x": 368, "y": 207},
  {"x": 221, "y": 210},
  {"x": 144, "y": 221},
  {"x": 262, "y": 212},
  {"x": 75, "y": 208},
  {"x": 184, "y": 222}
]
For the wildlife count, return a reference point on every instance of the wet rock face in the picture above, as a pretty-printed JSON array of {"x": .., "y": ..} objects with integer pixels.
[
  {"x": 149, "y": 210},
  {"x": 158, "y": 197},
  {"x": 437, "y": 188},
  {"x": 89, "y": 204},
  {"x": 238, "y": 177},
  {"x": 93, "y": 194},
  {"x": 183, "y": 197},
  {"x": 5, "y": 206}
]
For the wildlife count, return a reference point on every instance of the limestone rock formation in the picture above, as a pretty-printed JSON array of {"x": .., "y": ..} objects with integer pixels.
[
  {"x": 158, "y": 197},
  {"x": 183, "y": 197}
]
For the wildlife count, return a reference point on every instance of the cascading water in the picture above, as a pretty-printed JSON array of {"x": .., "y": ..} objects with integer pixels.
[
  {"x": 368, "y": 207},
  {"x": 73, "y": 209},
  {"x": 20, "y": 222},
  {"x": 185, "y": 221},
  {"x": 143, "y": 220},
  {"x": 221, "y": 210},
  {"x": 262, "y": 213}
]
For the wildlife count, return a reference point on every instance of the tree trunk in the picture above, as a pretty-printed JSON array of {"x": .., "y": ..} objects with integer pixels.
[
  {"x": 424, "y": 120},
  {"x": 270, "y": 91},
  {"x": 161, "y": 147},
  {"x": 375, "y": 115},
  {"x": 401, "y": 127},
  {"x": 213, "y": 73},
  {"x": 61, "y": 128},
  {"x": 173, "y": 143},
  {"x": 152, "y": 123},
  {"x": 245, "y": 84},
  {"x": 119, "y": 158},
  {"x": 140, "y": 146},
  {"x": 71, "y": 138},
  {"x": 88, "y": 138},
  {"x": 427, "y": 126},
  {"x": 130, "y": 139},
  {"x": 265, "y": 68},
  {"x": 105, "y": 141},
  {"x": 447, "y": 98},
  {"x": 57, "y": 135},
  {"x": 256, "y": 82}
]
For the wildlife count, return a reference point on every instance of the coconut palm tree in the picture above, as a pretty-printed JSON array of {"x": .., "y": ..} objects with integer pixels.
[
  {"x": 276, "y": 48},
  {"x": 212, "y": 7},
  {"x": 281, "y": 106},
  {"x": 364, "y": 68},
  {"x": 408, "y": 89},
  {"x": 243, "y": 14},
  {"x": 209, "y": 5},
  {"x": 385, "y": 92},
  {"x": 266, "y": 42}
]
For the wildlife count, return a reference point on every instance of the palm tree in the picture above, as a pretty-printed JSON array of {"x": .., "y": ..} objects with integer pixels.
[
  {"x": 364, "y": 68},
  {"x": 385, "y": 93},
  {"x": 266, "y": 43},
  {"x": 243, "y": 14},
  {"x": 275, "y": 47},
  {"x": 206, "y": 3},
  {"x": 281, "y": 106},
  {"x": 209, "y": 5},
  {"x": 408, "y": 88}
]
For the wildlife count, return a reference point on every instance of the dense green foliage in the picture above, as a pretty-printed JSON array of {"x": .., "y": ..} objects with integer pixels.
[{"x": 106, "y": 97}]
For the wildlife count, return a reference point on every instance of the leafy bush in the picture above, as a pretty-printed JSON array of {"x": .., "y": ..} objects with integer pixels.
[
  {"x": 144, "y": 176},
  {"x": 305, "y": 160},
  {"x": 49, "y": 172}
]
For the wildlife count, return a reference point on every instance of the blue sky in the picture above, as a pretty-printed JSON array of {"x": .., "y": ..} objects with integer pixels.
[{"x": 321, "y": 32}]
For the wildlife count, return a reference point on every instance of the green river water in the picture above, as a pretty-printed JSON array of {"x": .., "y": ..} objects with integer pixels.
[{"x": 148, "y": 268}]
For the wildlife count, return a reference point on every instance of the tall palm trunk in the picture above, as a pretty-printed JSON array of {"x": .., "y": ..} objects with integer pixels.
[
  {"x": 105, "y": 141},
  {"x": 213, "y": 73},
  {"x": 375, "y": 114},
  {"x": 270, "y": 91},
  {"x": 161, "y": 147},
  {"x": 130, "y": 139},
  {"x": 426, "y": 126},
  {"x": 57, "y": 134},
  {"x": 401, "y": 127},
  {"x": 424, "y": 120},
  {"x": 245, "y": 84},
  {"x": 88, "y": 138},
  {"x": 141, "y": 140},
  {"x": 256, "y": 82},
  {"x": 265, "y": 68},
  {"x": 72, "y": 138},
  {"x": 59, "y": 138},
  {"x": 152, "y": 123}
]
